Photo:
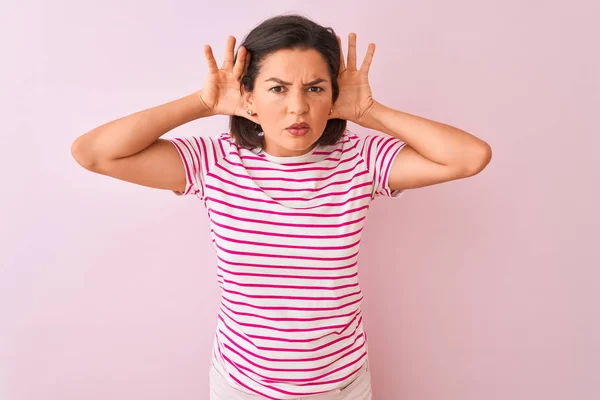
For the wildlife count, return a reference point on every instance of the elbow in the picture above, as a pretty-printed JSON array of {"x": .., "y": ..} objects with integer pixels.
[
  {"x": 479, "y": 159},
  {"x": 81, "y": 154}
]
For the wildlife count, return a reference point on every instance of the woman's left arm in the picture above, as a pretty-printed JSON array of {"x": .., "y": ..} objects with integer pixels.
[{"x": 434, "y": 152}]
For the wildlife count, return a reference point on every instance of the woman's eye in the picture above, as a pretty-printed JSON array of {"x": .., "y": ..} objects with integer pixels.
[{"x": 276, "y": 89}]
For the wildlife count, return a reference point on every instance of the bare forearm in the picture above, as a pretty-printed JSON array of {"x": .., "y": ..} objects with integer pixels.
[
  {"x": 438, "y": 142},
  {"x": 135, "y": 132}
]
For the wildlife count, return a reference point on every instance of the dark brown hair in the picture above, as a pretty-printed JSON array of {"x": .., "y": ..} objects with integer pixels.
[{"x": 287, "y": 32}]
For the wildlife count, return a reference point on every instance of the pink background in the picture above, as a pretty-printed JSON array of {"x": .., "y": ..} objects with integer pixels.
[{"x": 485, "y": 288}]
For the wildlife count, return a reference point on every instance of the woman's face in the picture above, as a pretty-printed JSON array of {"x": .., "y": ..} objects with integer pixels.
[{"x": 292, "y": 86}]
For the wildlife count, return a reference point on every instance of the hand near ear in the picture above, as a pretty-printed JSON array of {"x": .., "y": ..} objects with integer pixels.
[
  {"x": 221, "y": 92},
  {"x": 355, "y": 99}
]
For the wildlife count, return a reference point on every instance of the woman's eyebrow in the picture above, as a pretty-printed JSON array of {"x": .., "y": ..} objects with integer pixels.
[{"x": 316, "y": 81}]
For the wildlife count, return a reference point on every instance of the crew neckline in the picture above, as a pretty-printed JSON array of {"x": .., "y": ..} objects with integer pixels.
[{"x": 285, "y": 160}]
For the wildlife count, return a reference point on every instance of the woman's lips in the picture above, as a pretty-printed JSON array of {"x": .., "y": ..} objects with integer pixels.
[{"x": 298, "y": 131}]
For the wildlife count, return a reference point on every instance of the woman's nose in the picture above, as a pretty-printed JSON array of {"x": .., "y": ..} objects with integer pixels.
[{"x": 297, "y": 102}]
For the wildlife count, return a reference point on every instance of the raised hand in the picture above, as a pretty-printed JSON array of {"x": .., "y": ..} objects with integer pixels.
[
  {"x": 221, "y": 92},
  {"x": 355, "y": 99}
]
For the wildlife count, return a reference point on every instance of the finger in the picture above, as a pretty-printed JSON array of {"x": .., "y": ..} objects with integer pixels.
[
  {"x": 210, "y": 60},
  {"x": 240, "y": 62},
  {"x": 342, "y": 62},
  {"x": 366, "y": 64},
  {"x": 351, "y": 52},
  {"x": 247, "y": 62},
  {"x": 228, "y": 61}
]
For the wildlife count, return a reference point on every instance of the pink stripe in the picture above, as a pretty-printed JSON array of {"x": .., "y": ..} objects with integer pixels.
[
  {"x": 239, "y": 303},
  {"x": 337, "y": 277},
  {"x": 272, "y": 328},
  {"x": 282, "y": 189},
  {"x": 276, "y": 297},
  {"x": 279, "y": 178},
  {"x": 291, "y": 286},
  {"x": 290, "y": 215},
  {"x": 288, "y": 319},
  {"x": 253, "y": 254},
  {"x": 262, "y": 233},
  {"x": 286, "y": 246},
  {"x": 366, "y": 184},
  {"x": 239, "y": 196},
  {"x": 319, "y": 268},
  {"x": 276, "y": 200}
]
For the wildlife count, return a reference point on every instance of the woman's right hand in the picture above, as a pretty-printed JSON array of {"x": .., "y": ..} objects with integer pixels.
[{"x": 222, "y": 88}]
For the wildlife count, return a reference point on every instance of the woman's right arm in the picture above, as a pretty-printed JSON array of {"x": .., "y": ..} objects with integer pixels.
[{"x": 130, "y": 148}]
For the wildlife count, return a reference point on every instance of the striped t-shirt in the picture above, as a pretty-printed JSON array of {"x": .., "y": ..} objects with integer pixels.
[{"x": 287, "y": 232}]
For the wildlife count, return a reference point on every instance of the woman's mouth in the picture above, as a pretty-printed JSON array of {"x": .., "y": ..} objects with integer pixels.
[{"x": 299, "y": 129}]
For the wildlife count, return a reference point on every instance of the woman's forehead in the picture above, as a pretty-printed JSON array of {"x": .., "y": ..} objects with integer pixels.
[{"x": 294, "y": 64}]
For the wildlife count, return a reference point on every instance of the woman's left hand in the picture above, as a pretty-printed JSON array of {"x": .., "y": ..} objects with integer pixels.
[{"x": 355, "y": 99}]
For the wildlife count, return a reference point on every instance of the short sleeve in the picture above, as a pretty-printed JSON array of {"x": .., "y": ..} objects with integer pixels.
[
  {"x": 197, "y": 154},
  {"x": 379, "y": 153}
]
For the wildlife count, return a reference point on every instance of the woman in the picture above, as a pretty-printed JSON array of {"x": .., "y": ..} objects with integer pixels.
[{"x": 287, "y": 191}]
